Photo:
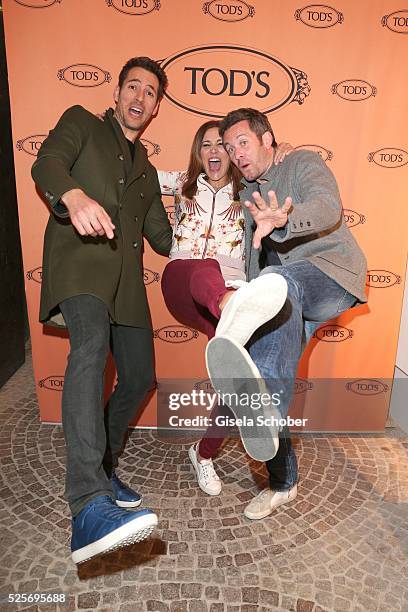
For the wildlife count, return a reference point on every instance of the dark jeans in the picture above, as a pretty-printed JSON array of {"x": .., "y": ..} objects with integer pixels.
[
  {"x": 94, "y": 439},
  {"x": 313, "y": 298}
]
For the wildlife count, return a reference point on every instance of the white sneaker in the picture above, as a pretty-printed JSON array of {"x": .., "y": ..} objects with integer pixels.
[
  {"x": 252, "y": 305},
  {"x": 207, "y": 477},
  {"x": 235, "y": 377},
  {"x": 267, "y": 501}
]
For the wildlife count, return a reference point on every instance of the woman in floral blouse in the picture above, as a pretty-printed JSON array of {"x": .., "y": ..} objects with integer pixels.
[{"x": 207, "y": 257}]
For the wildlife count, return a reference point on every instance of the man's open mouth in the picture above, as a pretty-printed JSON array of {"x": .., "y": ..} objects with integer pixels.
[
  {"x": 244, "y": 166},
  {"x": 135, "y": 111}
]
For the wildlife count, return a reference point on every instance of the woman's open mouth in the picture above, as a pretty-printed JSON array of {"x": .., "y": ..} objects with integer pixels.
[{"x": 214, "y": 164}]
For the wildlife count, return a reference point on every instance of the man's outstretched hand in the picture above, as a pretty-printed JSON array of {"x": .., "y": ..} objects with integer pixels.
[
  {"x": 267, "y": 216},
  {"x": 87, "y": 216}
]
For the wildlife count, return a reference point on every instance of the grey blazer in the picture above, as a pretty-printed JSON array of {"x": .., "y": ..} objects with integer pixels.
[{"x": 316, "y": 230}]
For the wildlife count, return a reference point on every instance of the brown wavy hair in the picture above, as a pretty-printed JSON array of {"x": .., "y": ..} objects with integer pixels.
[{"x": 195, "y": 165}]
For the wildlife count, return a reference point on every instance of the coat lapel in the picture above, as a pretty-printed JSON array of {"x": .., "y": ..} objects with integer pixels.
[
  {"x": 139, "y": 163},
  {"x": 139, "y": 166},
  {"x": 123, "y": 147}
]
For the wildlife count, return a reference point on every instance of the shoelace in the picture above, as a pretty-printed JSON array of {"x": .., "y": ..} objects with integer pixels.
[
  {"x": 258, "y": 500},
  {"x": 263, "y": 494},
  {"x": 208, "y": 470},
  {"x": 107, "y": 507}
]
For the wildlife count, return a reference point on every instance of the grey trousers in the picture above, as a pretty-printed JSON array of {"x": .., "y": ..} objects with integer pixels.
[{"x": 94, "y": 437}]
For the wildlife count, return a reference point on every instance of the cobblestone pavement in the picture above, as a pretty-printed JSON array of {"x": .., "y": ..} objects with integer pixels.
[{"x": 342, "y": 545}]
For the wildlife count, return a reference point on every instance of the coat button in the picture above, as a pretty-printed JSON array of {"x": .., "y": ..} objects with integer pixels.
[
  {"x": 136, "y": 219},
  {"x": 134, "y": 245},
  {"x": 121, "y": 181},
  {"x": 143, "y": 175},
  {"x": 120, "y": 156},
  {"x": 142, "y": 195},
  {"x": 120, "y": 206}
]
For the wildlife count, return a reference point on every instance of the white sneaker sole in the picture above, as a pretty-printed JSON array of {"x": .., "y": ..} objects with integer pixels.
[
  {"x": 130, "y": 533},
  {"x": 252, "y": 306},
  {"x": 233, "y": 373},
  {"x": 123, "y": 504},
  {"x": 193, "y": 458}
]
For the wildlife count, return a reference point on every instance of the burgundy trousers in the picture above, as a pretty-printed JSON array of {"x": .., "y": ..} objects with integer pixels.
[{"x": 192, "y": 290}]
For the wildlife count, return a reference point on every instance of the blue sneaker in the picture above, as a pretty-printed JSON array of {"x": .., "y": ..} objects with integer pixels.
[
  {"x": 101, "y": 527},
  {"x": 125, "y": 497}
]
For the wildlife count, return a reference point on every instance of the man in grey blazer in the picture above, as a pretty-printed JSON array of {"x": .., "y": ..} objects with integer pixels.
[{"x": 294, "y": 227}]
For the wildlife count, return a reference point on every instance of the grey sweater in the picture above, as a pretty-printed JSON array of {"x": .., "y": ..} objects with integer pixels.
[{"x": 316, "y": 230}]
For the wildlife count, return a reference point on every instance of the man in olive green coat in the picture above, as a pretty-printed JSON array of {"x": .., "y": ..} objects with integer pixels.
[{"x": 104, "y": 196}]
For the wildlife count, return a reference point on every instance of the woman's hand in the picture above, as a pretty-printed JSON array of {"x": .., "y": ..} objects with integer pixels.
[{"x": 283, "y": 149}]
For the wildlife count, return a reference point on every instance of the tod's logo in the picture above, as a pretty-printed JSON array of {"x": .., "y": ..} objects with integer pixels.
[
  {"x": 84, "y": 75},
  {"x": 367, "y": 386},
  {"x": 175, "y": 333},
  {"x": 354, "y": 90},
  {"x": 212, "y": 80},
  {"x": 301, "y": 385},
  {"x": 382, "y": 279},
  {"x": 31, "y": 144},
  {"x": 150, "y": 277},
  {"x": 53, "y": 383},
  {"x": 389, "y": 158},
  {"x": 151, "y": 147},
  {"x": 204, "y": 385},
  {"x": 325, "y": 154},
  {"x": 134, "y": 7},
  {"x": 228, "y": 10},
  {"x": 319, "y": 16},
  {"x": 37, "y": 3},
  {"x": 353, "y": 218},
  {"x": 171, "y": 213},
  {"x": 35, "y": 274},
  {"x": 397, "y": 21},
  {"x": 333, "y": 333}
]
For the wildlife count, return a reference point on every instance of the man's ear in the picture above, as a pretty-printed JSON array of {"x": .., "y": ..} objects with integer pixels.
[
  {"x": 156, "y": 109},
  {"x": 267, "y": 140},
  {"x": 116, "y": 94}
]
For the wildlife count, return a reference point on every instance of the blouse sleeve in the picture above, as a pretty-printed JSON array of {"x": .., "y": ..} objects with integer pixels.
[{"x": 171, "y": 182}]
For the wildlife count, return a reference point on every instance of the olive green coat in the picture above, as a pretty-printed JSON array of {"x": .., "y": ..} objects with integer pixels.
[{"x": 84, "y": 152}]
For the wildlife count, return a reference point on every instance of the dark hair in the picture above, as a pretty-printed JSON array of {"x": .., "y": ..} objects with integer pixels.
[
  {"x": 195, "y": 164},
  {"x": 258, "y": 122},
  {"x": 147, "y": 64}
]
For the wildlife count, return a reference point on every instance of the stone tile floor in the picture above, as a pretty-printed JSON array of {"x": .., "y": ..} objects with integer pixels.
[{"x": 342, "y": 545}]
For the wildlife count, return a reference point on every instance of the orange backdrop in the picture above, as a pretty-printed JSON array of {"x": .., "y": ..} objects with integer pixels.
[{"x": 331, "y": 78}]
